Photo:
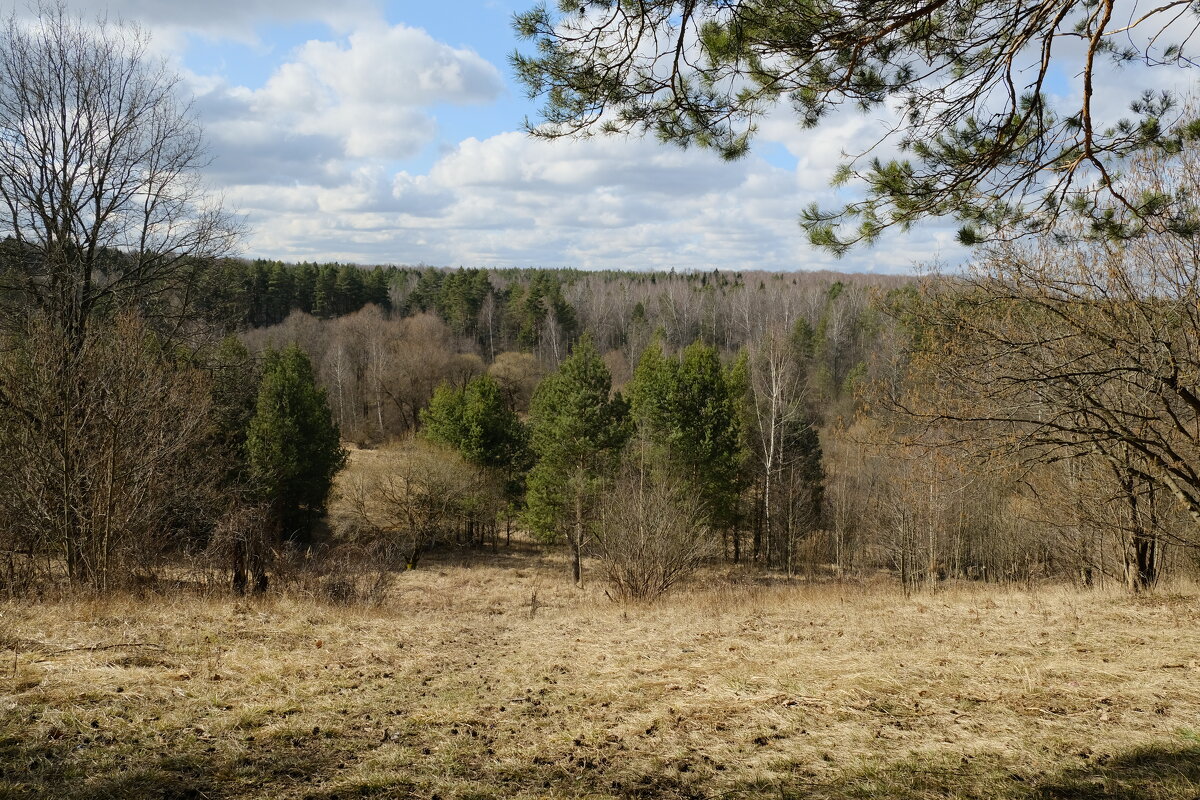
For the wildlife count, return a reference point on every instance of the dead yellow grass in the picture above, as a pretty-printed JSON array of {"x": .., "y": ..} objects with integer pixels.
[{"x": 501, "y": 680}]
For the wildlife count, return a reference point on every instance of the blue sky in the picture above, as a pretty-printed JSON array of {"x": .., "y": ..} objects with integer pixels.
[{"x": 390, "y": 132}]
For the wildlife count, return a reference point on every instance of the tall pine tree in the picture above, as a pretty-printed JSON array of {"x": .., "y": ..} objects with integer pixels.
[
  {"x": 686, "y": 408},
  {"x": 577, "y": 431},
  {"x": 292, "y": 444},
  {"x": 476, "y": 421}
]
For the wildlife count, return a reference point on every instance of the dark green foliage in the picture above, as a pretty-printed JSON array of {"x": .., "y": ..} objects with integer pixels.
[
  {"x": 801, "y": 442},
  {"x": 425, "y": 296},
  {"x": 236, "y": 293},
  {"x": 349, "y": 293},
  {"x": 325, "y": 300},
  {"x": 377, "y": 287},
  {"x": 460, "y": 298},
  {"x": 305, "y": 284},
  {"x": 576, "y": 433},
  {"x": 292, "y": 444},
  {"x": 686, "y": 407},
  {"x": 476, "y": 421},
  {"x": 234, "y": 386},
  {"x": 531, "y": 308}
]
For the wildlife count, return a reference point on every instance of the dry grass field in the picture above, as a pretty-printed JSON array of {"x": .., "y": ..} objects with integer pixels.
[{"x": 498, "y": 679}]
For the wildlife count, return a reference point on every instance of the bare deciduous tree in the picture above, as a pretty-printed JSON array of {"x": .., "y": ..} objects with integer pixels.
[
  {"x": 100, "y": 198},
  {"x": 104, "y": 225},
  {"x": 90, "y": 480},
  {"x": 417, "y": 495},
  {"x": 1081, "y": 349},
  {"x": 651, "y": 533}
]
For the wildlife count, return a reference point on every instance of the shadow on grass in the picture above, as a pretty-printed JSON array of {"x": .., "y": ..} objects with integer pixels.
[
  {"x": 1141, "y": 774},
  {"x": 1164, "y": 772},
  {"x": 67, "y": 769},
  {"x": 324, "y": 769}
]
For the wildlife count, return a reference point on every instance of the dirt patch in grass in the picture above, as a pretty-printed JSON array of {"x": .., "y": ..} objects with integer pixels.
[{"x": 504, "y": 681}]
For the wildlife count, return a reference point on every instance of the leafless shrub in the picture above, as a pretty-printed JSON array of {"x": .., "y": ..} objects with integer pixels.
[
  {"x": 107, "y": 436},
  {"x": 415, "y": 496},
  {"x": 243, "y": 542},
  {"x": 650, "y": 534}
]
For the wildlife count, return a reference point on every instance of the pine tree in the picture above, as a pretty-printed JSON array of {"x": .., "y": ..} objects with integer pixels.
[
  {"x": 707, "y": 439},
  {"x": 305, "y": 286},
  {"x": 281, "y": 293},
  {"x": 325, "y": 295},
  {"x": 377, "y": 285},
  {"x": 576, "y": 433},
  {"x": 349, "y": 290},
  {"x": 234, "y": 390},
  {"x": 977, "y": 133},
  {"x": 292, "y": 445},
  {"x": 686, "y": 408},
  {"x": 478, "y": 422},
  {"x": 650, "y": 389}
]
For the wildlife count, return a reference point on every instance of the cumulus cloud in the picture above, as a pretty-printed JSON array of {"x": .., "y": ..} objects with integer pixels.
[
  {"x": 235, "y": 19},
  {"x": 508, "y": 200},
  {"x": 333, "y": 104},
  {"x": 318, "y": 158},
  {"x": 374, "y": 91}
]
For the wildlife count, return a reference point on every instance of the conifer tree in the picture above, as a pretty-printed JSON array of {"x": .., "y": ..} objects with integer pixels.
[
  {"x": 577, "y": 432},
  {"x": 476, "y": 421},
  {"x": 982, "y": 135},
  {"x": 292, "y": 444},
  {"x": 324, "y": 303},
  {"x": 686, "y": 407}
]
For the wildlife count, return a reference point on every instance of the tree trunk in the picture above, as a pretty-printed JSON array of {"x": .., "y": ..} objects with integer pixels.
[
  {"x": 577, "y": 542},
  {"x": 237, "y": 568},
  {"x": 1141, "y": 561}
]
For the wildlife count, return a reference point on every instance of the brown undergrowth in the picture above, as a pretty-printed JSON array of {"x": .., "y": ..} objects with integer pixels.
[{"x": 499, "y": 679}]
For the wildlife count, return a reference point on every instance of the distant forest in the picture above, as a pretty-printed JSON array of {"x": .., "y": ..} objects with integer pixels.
[{"x": 823, "y": 353}]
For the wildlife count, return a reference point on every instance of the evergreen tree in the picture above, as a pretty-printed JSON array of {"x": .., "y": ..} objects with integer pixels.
[
  {"x": 980, "y": 134},
  {"x": 476, "y": 421},
  {"x": 292, "y": 445},
  {"x": 305, "y": 285},
  {"x": 281, "y": 288},
  {"x": 425, "y": 295},
  {"x": 260, "y": 289},
  {"x": 707, "y": 438},
  {"x": 529, "y": 309},
  {"x": 650, "y": 390},
  {"x": 324, "y": 303},
  {"x": 737, "y": 381},
  {"x": 576, "y": 433},
  {"x": 686, "y": 407},
  {"x": 234, "y": 385},
  {"x": 377, "y": 285},
  {"x": 460, "y": 298},
  {"x": 349, "y": 290}
]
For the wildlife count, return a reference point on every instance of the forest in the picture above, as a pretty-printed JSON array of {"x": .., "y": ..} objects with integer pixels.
[
  {"x": 798, "y": 422},
  {"x": 170, "y": 411}
]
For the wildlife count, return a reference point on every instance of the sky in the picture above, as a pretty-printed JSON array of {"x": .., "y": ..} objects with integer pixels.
[{"x": 391, "y": 132}]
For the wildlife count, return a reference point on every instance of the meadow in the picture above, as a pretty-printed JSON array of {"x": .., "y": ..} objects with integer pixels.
[{"x": 496, "y": 678}]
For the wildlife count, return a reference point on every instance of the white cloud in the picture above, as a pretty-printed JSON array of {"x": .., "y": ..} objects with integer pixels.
[
  {"x": 233, "y": 19},
  {"x": 333, "y": 106},
  {"x": 374, "y": 91},
  {"x": 605, "y": 202}
]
